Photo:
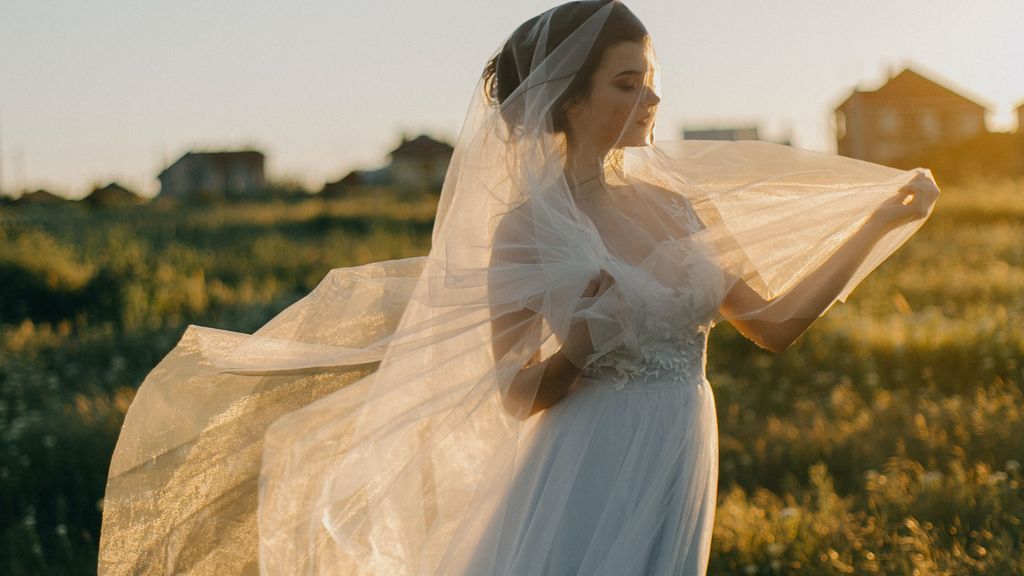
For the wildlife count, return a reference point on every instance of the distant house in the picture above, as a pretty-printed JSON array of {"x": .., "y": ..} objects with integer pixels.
[
  {"x": 339, "y": 188},
  {"x": 1020, "y": 118},
  {"x": 112, "y": 194},
  {"x": 353, "y": 180},
  {"x": 724, "y": 133},
  {"x": 227, "y": 173},
  {"x": 40, "y": 196},
  {"x": 417, "y": 164},
  {"x": 420, "y": 163},
  {"x": 906, "y": 115},
  {"x": 741, "y": 133}
]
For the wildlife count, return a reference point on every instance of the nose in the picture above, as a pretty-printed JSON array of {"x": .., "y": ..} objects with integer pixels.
[{"x": 650, "y": 97}]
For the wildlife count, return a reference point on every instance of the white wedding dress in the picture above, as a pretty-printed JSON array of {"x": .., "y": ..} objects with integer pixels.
[{"x": 619, "y": 477}]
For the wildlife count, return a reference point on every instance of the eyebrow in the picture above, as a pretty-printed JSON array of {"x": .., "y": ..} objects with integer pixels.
[{"x": 628, "y": 72}]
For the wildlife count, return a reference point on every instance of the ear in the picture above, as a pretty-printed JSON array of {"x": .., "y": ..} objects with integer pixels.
[{"x": 574, "y": 107}]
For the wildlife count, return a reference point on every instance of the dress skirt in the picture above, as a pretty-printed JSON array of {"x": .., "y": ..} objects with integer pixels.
[{"x": 617, "y": 479}]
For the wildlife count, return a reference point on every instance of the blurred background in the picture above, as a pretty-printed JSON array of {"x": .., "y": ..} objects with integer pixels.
[{"x": 167, "y": 164}]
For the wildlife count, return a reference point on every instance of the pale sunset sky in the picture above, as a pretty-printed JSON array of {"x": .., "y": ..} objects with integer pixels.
[{"x": 97, "y": 91}]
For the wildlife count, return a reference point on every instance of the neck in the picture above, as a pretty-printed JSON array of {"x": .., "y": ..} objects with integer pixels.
[{"x": 584, "y": 165}]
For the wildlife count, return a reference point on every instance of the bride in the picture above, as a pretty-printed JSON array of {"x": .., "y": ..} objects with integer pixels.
[{"x": 530, "y": 397}]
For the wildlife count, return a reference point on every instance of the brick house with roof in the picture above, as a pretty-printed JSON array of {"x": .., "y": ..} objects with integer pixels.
[
  {"x": 907, "y": 115},
  {"x": 420, "y": 163},
  {"x": 224, "y": 173}
]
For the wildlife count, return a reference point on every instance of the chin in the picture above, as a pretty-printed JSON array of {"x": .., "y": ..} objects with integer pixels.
[
  {"x": 634, "y": 142},
  {"x": 643, "y": 137}
]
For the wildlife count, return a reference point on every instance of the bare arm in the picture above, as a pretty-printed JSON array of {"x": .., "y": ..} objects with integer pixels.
[
  {"x": 812, "y": 294},
  {"x": 540, "y": 384},
  {"x": 820, "y": 288}
]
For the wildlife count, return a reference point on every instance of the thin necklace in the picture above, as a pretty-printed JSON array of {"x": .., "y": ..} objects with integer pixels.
[{"x": 581, "y": 183}]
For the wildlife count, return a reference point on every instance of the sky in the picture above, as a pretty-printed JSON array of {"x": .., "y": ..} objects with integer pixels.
[{"x": 92, "y": 92}]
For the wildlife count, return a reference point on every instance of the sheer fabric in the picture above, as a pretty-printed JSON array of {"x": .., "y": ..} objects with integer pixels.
[{"x": 365, "y": 429}]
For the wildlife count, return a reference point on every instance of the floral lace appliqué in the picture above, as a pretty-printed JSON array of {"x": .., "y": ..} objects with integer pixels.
[{"x": 679, "y": 358}]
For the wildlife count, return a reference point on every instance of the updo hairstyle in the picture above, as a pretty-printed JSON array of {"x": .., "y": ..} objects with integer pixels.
[{"x": 507, "y": 70}]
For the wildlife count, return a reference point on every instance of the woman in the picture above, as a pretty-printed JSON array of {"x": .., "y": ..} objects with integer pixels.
[{"x": 529, "y": 398}]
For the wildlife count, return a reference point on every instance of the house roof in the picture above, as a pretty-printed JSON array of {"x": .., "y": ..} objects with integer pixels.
[
  {"x": 422, "y": 145},
  {"x": 40, "y": 196},
  {"x": 113, "y": 192},
  {"x": 907, "y": 85},
  {"x": 221, "y": 157}
]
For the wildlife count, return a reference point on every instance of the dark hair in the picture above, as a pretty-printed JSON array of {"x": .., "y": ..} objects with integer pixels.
[{"x": 502, "y": 76}]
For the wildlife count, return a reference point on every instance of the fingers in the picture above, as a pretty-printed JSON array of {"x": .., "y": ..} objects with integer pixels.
[
  {"x": 911, "y": 202},
  {"x": 598, "y": 285},
  {"x": 916, "y": 196},
  {"x": 924, "y": 192},
  {"x": 924, "y": 186},
  {"x": 606, "y": 281},
  {"x": 591, "y": 290}
]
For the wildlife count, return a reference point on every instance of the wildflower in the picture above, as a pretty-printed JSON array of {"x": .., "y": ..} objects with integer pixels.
[
  {"x": 996, "y": 478},
  {"x": 789, "y": 512},
  {"x": 932, "y": 479}
]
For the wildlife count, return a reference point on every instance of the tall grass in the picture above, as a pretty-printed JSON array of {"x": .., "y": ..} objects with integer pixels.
[{"x": 886, "y": 440}]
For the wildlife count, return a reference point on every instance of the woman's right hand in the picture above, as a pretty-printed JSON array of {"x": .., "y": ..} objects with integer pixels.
[
  {"x": 598, "y": 284},
  {"x": 578, "y": 344}
]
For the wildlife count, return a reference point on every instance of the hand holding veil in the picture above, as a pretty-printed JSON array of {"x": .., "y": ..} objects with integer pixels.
[{"x": 364, "y": 430}]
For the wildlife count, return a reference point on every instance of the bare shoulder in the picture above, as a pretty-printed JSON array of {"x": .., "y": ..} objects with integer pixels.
[
  {"x": 673, "y": 205},
  {"x": 513, "y": 236},
  {"x": 513, "y": 223},
  {"x": 656, "y": 192}
]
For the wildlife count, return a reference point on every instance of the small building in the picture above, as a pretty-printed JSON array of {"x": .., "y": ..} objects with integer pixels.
[
  {"x": 1020, "y": 118},
  {"x": 420, "y": 163},
  {"x": 339, "y": 188},
  {"x": 736, "y": 133},
  {"x": 354, "y": 180},
  {"x": 906, "y": 115},
  {"x": 217, "y": 174},
  {"x": 40, "y": 196},
  {"x": 113, "y": 194},
  {"x": 726, "y": 133}
]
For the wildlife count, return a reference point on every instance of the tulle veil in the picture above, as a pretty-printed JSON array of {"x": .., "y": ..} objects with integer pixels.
[{"x": 363, "y": 429}]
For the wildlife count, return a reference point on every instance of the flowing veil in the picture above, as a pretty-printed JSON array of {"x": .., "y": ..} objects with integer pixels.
[{"x": 363, "y": 430}]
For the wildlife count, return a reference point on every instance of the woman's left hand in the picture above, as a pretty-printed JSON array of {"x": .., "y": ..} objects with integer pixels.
[{"x": 911, "y": 202}]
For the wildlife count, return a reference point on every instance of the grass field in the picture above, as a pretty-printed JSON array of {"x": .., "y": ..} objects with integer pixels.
[{"x": 887, "y": 440}]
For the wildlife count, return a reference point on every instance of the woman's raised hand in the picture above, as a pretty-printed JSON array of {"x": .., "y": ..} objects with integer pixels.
[{"x": 911, "y": 202}]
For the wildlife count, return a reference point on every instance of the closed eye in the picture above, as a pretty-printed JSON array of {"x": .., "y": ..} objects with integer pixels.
[{"x": 627, "y": 87}]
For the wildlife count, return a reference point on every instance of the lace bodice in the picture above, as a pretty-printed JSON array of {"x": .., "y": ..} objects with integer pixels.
[
  {"x": 666, "y": 327},
  {"x": 682, "y": 360}
]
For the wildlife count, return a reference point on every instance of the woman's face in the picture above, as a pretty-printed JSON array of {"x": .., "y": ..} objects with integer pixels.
[{"x": 621, "y": 106}]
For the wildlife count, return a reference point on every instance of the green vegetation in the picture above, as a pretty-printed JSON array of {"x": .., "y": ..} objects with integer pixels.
[
  {"x": 92, "y": 299},
  {"x": 886, "y": 440}
]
